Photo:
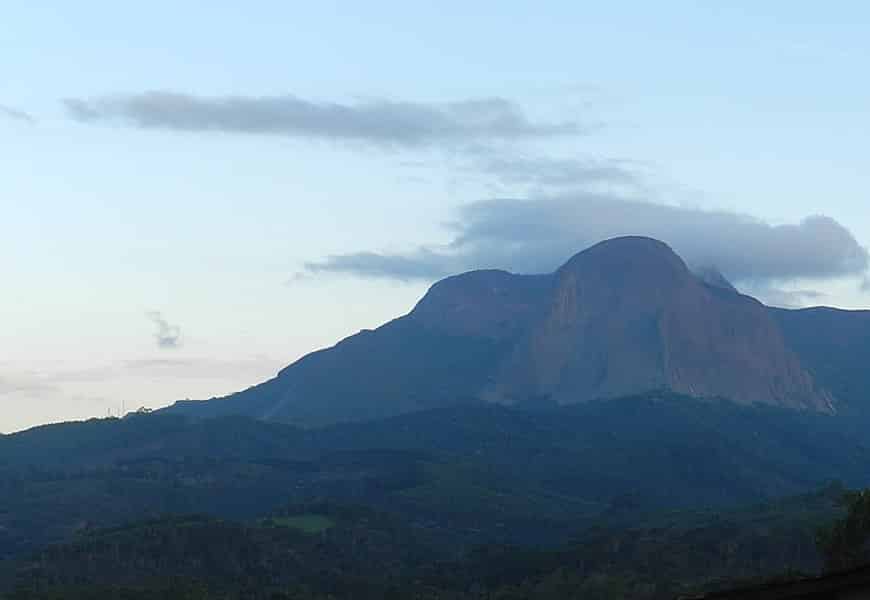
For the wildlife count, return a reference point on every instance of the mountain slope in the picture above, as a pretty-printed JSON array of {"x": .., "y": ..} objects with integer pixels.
[
  {"x": 834, "y": 345},
  {"x": 622, "y": 317},
  {"x": 463, "y": 474}
]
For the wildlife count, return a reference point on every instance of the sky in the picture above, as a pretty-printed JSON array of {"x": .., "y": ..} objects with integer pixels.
[{"x": 196, "y": 194}]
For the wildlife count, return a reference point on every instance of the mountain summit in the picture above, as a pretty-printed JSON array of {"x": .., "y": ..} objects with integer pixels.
[{"x": 625, "y": 316}]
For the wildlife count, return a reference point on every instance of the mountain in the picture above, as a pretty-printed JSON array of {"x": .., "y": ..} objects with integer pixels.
[
  {"x": 835, "y": 347},
  {"x": 714, "y": 277},
  {"x": 627, "y": 316},
  {"x": 623, "y": 415},
  {"x": 623, "y": 317}
]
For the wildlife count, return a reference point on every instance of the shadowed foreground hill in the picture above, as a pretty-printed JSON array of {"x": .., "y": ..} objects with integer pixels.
[
  {"x": 363, "y": 554},
  {"x": 463, "y": 474},
  {"x": 623, "y": 317}
]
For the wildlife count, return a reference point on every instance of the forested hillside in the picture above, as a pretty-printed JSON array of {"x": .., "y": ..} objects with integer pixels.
[{"x": 657, "y": 489}]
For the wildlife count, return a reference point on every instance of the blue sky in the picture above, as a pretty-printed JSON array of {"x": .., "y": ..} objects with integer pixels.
[{"x": 193, "y": 196}]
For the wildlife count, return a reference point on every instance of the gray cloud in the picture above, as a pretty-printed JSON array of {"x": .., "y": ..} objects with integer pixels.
[
  {"x": 418, "y": 264},
  {"x": 537, "y": 236},
  {"x": 557, "y": 172},
  {"x": 167, "y": 335},
  {"x": 17, "y": 115},
  {"x": 382, "y": 122},
  {"x": 776, "y": 296}
]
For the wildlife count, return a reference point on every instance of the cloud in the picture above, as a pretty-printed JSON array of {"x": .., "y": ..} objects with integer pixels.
[
  {"x": 17, "y": 115},
  {"x": 48, "y": 391},
  {"x": 50, "y": 377},
  {"x": 167, "y": 335},
  {"x": 534, "y": 236},
  {"x": 418, "y": 264},
  {"x": 557, "y": 172},
  {"x": 27, "y": 382},
  {"x": 380, "y": 122},
  {"x": 785, "y": 298}
]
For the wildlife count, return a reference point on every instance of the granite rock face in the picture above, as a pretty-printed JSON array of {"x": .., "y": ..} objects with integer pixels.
[{"x": 627, "y": 316}]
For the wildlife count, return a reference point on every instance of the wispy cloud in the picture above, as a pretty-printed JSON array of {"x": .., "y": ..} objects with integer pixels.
[
  {"x": 380, "y": 122},
  {"x": 533, "y": 236},
  {"x": 49, "y": 391},
  {"x": 573, "y": 202},
  {"x": 28, "y": 383},
  {"x": 167, "y": 335},
  {"x": 785, "y": 298},
  {"x": 422, "y": 263},
  {"x": 547, "y": 172},
  {"x": 16, "y": 115}
]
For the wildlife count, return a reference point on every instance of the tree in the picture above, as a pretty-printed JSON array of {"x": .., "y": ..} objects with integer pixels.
[{"x": 846, "y": 543}]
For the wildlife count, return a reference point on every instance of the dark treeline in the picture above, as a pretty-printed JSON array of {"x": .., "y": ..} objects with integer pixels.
[{"x": 324, "y": 550}]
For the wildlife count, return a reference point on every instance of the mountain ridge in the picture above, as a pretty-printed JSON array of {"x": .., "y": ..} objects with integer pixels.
[{"x": 622, "y": 317}]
